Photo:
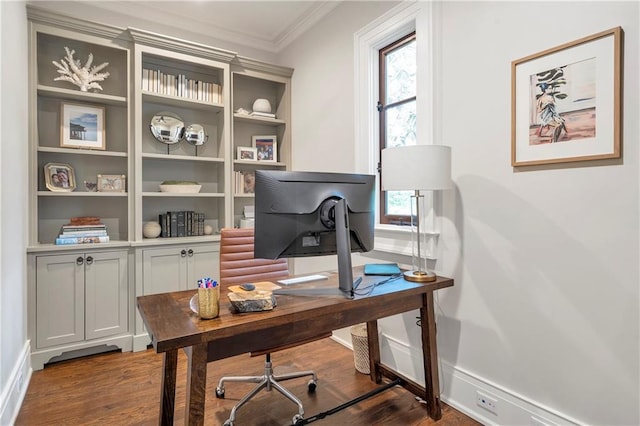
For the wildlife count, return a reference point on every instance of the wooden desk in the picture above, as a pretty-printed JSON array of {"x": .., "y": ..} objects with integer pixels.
[{"x": 173, "y": 326}]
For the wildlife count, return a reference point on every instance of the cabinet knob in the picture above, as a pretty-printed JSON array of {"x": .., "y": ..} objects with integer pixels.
[
  {"x": 79, "y": 260},
  {"x": 89, "y": 260},
  {"x": 183, "y": 253},
  {"x": 190, "y": 252}
]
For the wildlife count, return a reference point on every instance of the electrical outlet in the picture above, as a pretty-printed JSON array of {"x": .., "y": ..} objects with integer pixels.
[{"x": 487, "y": 402}]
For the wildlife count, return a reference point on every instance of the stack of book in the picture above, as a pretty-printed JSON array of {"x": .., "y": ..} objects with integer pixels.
[
  {"x": 83, "y": 230},
  {"x": 263, "y": 114}
]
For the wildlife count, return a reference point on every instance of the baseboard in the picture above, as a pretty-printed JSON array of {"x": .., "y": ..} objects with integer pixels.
[
  {"x": 13, "y": 394},
  {"x": 460, "y": 388}
]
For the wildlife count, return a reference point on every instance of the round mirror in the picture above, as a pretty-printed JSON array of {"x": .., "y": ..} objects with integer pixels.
[
  {"x": 167, "y": 127},
  {"x": 195, "y": 135}
]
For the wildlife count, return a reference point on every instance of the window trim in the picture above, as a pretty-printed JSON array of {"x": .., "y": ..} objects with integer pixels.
[{"x": 397, "y": 22}]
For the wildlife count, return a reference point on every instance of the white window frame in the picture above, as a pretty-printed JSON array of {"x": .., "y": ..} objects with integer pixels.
[{"x": 396, "y": 23}]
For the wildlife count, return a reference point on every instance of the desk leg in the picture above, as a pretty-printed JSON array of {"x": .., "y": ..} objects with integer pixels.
[
  {"x": 168, "y": 397},
  {"x": 430, "y": 357},
  {"x": 196, "y": 384},
  {"x": 374, "y": 351}
]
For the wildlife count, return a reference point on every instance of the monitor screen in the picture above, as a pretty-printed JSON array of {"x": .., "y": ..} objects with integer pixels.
[{"x": 314, "y": 214}]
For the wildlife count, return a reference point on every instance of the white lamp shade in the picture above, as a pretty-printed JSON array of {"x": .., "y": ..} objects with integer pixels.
[{"x": 426, "y": 167}]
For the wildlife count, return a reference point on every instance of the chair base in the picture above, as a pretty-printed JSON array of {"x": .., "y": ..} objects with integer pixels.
[{"x": 267, "y": 381}]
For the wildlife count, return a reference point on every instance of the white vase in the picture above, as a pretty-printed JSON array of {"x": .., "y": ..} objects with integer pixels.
[
  {"x": 261, "y": 105},
  {"x": 151, "y": 230}
]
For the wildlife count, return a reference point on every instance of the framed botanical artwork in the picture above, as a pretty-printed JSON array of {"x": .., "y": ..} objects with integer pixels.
[
  {"x": 111, "y": 183},
  {"x": 59, "y": 177},
  {"x": 246, "y": 153},
  {"x": 266, "y": 148},
  {"x": 566, "y": 102},
  {"x": 82, "y": 126}
]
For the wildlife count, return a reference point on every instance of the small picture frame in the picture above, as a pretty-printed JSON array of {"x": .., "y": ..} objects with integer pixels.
[
  {"x": 112, "y": 183},
  {"x": 247, "y": 154},
  {"x": 59, "y": 177},
  {"x": 248, "y": 182},
  {"x": 82, "y": 126},
  {"x": 266, "y": 148}
]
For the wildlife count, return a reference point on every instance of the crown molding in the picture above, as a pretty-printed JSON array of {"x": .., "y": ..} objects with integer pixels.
[{"x": 182, "y": 46}]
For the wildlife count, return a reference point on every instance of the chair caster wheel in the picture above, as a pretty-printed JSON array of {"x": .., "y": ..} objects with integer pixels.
[
  {"x": 311, "y": 386},
  {"x": 220, "y": 394},
  {"x": 228, "y": 423},
  {"x": 297, "y": 420}
]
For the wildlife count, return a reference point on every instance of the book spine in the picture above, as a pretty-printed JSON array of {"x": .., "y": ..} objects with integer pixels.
[
  {"x": 83, "y": 234},
  {"x": 173, "y": 221},
  {"x": 82, "y": 240},
  {"x": 163, "y": 225},
  {"x": 181, "y": 225}
]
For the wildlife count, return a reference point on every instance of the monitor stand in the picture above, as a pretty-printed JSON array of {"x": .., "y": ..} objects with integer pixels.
[{"x": 346, "y": 284}]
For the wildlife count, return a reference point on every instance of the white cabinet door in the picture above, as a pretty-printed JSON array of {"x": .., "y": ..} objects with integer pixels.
[
  {"x": 203, "y": 261},
  {"x": 59, "y": 299},
  {"x": 106, "y": 290},
  {"x": 164, "y": 270}
]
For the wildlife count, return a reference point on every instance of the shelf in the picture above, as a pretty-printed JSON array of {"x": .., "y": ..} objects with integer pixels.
[
  {"x": 244, "y": 195},
  {"x": 182, "y": 157},
  {"x": 81, "y": 152},
  {"x": 81, "y": 194},
  {"x": 183, "y": 195},
  {"x": 259, "y": 163},
  {"x": 77, "y": 95},
  {"x": 176, "y": 240},
  {"x": 48, "y": 247},
  {"x": 259, "y": 120},
  {"x": 180, "y": 101}
]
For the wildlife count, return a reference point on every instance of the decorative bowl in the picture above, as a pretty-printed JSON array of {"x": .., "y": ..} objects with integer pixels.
[{"x": 181, "y": 189}]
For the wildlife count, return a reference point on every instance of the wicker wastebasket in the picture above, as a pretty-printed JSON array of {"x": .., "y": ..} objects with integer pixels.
[{"x": 360, "y": 348}]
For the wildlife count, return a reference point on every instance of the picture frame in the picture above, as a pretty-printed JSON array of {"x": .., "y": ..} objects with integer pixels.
[
  {"x": 562, "y": 110},
  {"x": 247, "y": 153},
  {"x": 59, "y": 177},
  {"x": 82, "y": 126},
  {"x": 248, "y": 185},
  {"x": 112, "y": 183},
  {"x": 266, "y": 148}
]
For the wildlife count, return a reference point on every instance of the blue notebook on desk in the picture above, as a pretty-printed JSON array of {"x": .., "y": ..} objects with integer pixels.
[{"x": 381, "y": 269}]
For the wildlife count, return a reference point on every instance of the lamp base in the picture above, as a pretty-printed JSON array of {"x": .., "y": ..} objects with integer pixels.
[{"x": 420, "y": 276}]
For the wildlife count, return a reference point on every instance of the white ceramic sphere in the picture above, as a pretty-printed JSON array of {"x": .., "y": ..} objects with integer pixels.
[
  {"x": 208, "y": 230},
  {"x": 261, "y": 105},
  {"x": 151, "y": 230}
]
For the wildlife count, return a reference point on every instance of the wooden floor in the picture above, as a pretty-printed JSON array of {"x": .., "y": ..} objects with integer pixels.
[{"x": 124, "y": 389}]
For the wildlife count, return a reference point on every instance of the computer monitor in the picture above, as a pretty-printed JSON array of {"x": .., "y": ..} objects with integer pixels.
[{"x": 300, "y": 214}]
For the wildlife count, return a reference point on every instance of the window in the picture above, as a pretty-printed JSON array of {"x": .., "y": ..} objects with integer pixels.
[{"x": 397, "y": 116}]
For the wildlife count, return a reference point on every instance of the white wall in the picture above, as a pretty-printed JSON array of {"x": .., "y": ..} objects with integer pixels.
[
  {"x": 13, "y": 207},
  {"x": 545, "y": 310}
]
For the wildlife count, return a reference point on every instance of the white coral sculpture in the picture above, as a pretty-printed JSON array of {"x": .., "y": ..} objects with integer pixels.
[{"x": 85, "y": 77}]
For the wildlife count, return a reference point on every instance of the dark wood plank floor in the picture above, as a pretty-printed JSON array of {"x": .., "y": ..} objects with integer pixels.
[{"x": 124, "y": 389}]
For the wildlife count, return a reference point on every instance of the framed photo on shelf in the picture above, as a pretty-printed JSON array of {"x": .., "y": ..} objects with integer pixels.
[
  {"x": 248, "y": 184},
  {"x": 59, "y": 177},
  {"x": 82, "y": 126},
  {"x": 247, "y": 153},
  {"x": 266, "y": 148},
  {"x": 112, "y": 183},
  {"x": 566, "y": 102}
]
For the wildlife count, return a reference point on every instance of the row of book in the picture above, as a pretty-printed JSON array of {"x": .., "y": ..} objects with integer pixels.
[
  {"x": 244, "y": 181},
  {"x": 83, "y": 232},
  {"x": 179, "y": 85},
  {"x": 181, "y": 224}
]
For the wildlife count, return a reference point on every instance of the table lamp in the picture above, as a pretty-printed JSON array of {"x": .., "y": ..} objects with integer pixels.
[{"x": 416, "y": 167}]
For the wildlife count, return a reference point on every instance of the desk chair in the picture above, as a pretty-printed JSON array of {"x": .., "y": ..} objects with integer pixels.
[{"x": 238, "y": 266}]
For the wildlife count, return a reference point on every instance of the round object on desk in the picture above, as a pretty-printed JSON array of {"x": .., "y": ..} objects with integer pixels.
[
  {"x": 208, "y": 230},
  {"x": 261, "y": 105},
  {"x": 151, "y": 230}
]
